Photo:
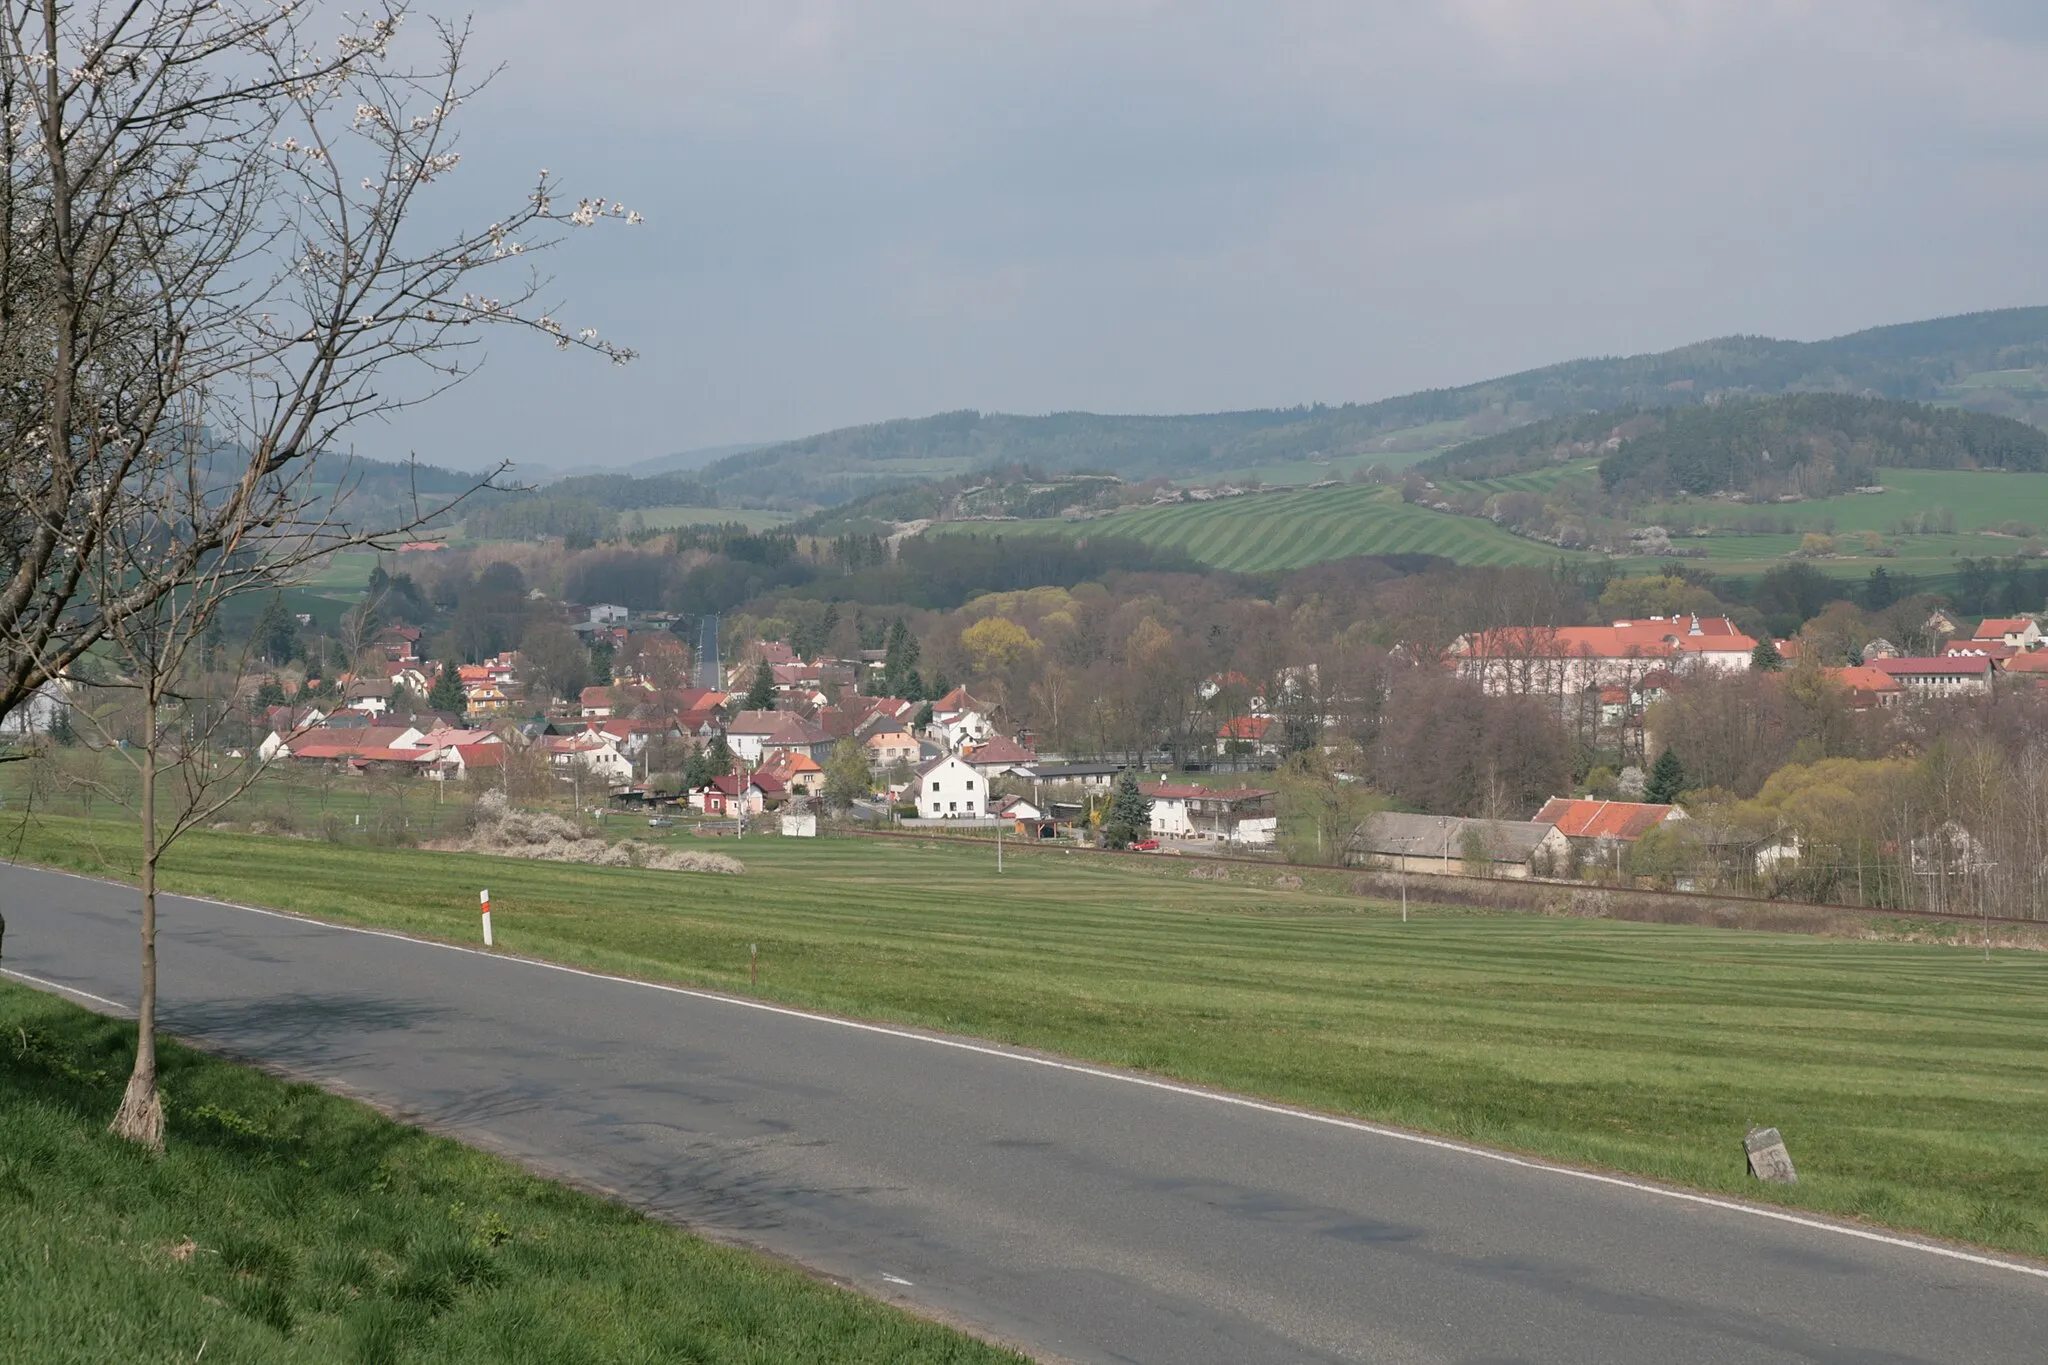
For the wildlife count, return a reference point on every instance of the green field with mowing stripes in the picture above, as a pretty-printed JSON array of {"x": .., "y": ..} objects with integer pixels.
[
  {"x": 1286, "y": 530},
  {"x": 1911, "y": 1078}
]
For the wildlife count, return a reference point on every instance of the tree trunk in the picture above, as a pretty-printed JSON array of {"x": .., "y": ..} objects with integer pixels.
[{"x": 141, "y": 1115}]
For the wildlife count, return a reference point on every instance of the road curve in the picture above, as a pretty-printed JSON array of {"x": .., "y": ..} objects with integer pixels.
[{"x": 1085, "y": 1215}]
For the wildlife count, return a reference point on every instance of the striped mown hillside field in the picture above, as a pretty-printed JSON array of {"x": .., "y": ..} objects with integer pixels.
[{"x": 1287, "y": 530}]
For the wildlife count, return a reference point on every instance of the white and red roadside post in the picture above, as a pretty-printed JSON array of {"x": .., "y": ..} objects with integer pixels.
[{"x": 485, "y": 898}]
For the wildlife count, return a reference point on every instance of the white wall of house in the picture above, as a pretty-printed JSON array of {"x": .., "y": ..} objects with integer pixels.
[
  {"x": 1170, "y": 818},
  {"x": 952, "y": 790}
]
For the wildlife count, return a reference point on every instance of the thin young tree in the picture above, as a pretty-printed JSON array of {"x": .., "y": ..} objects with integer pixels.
[
  {"x": 212, "y": 266},
  {"x": 212, "y": 213}
]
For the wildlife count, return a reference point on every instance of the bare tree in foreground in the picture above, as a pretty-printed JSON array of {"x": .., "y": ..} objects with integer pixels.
[{"x": 211, "y": 267}]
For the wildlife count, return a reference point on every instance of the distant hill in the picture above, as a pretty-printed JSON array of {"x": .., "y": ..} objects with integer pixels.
[
  {"x": 1990, "y": 362},
  {"x": 684, "y": 460},
  {"x": 1806, "y": 445}
]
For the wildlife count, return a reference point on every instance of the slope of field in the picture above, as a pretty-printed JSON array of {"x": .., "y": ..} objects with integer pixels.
[
  {"x": 1286, "y": 530},
  {"x": 1978, "y": 500},
  {"x": 1909, "y": 1076}
]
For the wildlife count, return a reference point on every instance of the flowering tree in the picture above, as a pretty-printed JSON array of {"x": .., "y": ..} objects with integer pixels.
[{"x": 211, "y": 268}]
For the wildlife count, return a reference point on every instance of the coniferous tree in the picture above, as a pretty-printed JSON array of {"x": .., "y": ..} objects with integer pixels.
[
  {"x": 446, "y": 694},
  {"x": 1765, "y": 658},
  {"x": 1129, "y": 817},
  {"x": 761, "y": 696},
  {"x": 1667, "y": 780}
]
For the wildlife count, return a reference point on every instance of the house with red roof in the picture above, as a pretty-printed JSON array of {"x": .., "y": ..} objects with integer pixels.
[
  {"x": 996, "y": 755},
  {"x": 730, "y": 794},
  {"x": 1224, "y": 815},
  {"x": 1601, "y": 828},
  {"x": 1247, "y": 735},
  {"x": 1868, "y": 687},
  {"x": 1995, "y": 650},
  {"x": 460, "y": 761},
  {"x": 2032, "y": 665},
  {"x": 753, "y": 735},
  {"x": 799, "y": 774},
  {"x": 2016, "y": 632}
]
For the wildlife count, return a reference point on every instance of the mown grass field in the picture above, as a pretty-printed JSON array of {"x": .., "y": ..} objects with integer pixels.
[
  {"x": 1286, "y": 530},
  {"x": 285, "y": 1225},
  {"x": 1911, "y": 1080}
]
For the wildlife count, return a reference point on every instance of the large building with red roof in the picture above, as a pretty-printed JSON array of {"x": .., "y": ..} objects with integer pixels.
[{"x": 1561, "y": 660}]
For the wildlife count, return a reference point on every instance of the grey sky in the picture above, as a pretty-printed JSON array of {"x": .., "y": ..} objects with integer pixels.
[{"x": 867, "y": 210}]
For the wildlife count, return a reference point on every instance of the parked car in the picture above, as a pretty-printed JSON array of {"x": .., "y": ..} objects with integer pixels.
[
  {"x": 1146, "y": 846},
  {"x": 660, "y": 822}
]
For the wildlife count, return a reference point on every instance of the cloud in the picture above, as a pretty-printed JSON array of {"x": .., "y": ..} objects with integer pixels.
[{"x": 860, "y": 210}]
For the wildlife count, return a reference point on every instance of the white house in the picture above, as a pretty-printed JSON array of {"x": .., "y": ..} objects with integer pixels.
[
  {"x": 958, "y": 719},
  {"x": 1241, "y": 815},
  {"x": 38, "y": 714},
  {"x": 595, "y": 754},
  {"x": 948, "y": 789}
]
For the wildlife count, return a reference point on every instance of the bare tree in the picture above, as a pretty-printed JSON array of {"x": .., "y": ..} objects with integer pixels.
[
  {"x": 210, "y": 220},
  {"x": 211, "y": 267}
]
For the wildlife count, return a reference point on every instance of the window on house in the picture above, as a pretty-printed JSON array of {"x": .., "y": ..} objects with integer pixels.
[
  {"x": 970, "y": 786},
  {"x": 952, "y": 805}
]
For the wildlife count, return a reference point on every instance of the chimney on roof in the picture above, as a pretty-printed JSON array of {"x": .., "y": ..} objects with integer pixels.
[{"x": 1695, "y": 624}]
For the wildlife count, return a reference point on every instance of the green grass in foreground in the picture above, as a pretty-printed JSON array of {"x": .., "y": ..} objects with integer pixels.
[
  {"x": 287, "y": 1225},
  {"x": 1910, "y": 1080}
]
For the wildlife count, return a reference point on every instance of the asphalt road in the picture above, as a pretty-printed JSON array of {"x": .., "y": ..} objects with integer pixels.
[
  {"x": 710, "y": 674},
  {"x": 1084, "y": 1214}
]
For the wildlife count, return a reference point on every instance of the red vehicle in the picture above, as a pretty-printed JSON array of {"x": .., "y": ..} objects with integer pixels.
[{"x": 1146, "y": 846}]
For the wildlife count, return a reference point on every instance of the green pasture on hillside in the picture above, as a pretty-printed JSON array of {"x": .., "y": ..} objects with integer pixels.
[
  {"x": 1911, "y": 1080},
  {"x": 1979, "y": 499},
  {"x": 1286, "y": 530},
  {"x": 286, "y": 1226}
]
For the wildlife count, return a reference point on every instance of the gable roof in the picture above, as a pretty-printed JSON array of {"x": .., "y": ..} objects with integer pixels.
[
  {"x": 957, "y": 702},
  {"x": 1396, "y": 835},
  {"x": 1997, "y": 627},
  {"x": 1245, "y": 727},
  {"x": 1956, "y": 666},
  {"x": 1188, "y": 791},
  {"x": 1591, "y": 819},
  {"x": 1864, "y": 679},
  {"x": 1657, "y": 637},
  {"x": 999, "y": 750},
  {"x": 931, "y": 765}
]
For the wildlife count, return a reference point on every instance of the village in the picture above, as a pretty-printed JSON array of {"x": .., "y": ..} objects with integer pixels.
[{"x": 807, "y": 739}]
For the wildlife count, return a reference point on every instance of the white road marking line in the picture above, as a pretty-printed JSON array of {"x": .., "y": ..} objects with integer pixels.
[
  {"x": 63, "y": 989},
  {"x": 1148, "y": 1083},
  {"x": 895, "y": 1279}
]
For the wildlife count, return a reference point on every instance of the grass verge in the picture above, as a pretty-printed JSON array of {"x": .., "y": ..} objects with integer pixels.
[
  {"x": 1911, "y": 1080},
  {"x": 285, "y": 1224}
]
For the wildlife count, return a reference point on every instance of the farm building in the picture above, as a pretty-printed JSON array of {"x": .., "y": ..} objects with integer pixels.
[{"x": 1450, "y": 845}]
